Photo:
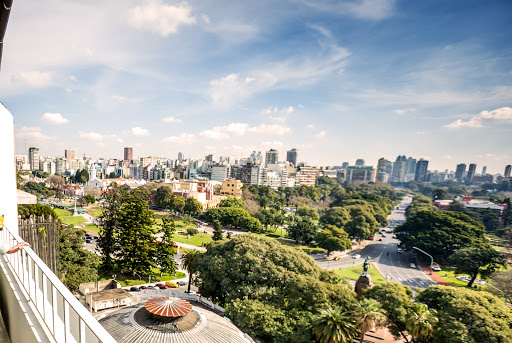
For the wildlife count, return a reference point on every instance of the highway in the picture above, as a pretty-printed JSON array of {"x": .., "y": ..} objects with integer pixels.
[{"x": 393, "y": 265}]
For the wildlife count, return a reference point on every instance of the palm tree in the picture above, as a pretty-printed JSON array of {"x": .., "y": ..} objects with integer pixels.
[
  {"x": 188, "y": 260},
  {"x": 421, "y": 322},
  {"x": 368, "y": 314},
  {"x": 334, "y": 326}
]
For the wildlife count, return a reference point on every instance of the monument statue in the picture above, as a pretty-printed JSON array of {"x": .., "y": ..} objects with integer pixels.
[
  {"x": 366, "y": 264},
  {"x": 365, "y": 280}
]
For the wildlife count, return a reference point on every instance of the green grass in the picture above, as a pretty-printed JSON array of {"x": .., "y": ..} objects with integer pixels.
[
  {"x": 133, "y": 280},
  {"x": 448, "y": 274},
  {"x": 306, "y": 249},
  {"x": 67, "y": 218},
  {"x": 196, "y": 240},
  {"x": 180, "y": 224},
  {"x": 353, "y": 273},
  {"x": 92, "y": 228},
  {"x": 277, "y": 233},
  {"x": 95, "y": 212}
]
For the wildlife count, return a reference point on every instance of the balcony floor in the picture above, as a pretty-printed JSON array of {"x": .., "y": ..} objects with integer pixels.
[{"x": 4, "y": 337}]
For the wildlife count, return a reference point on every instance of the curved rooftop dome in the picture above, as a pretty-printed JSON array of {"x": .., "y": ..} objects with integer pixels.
[{"x": 168, "y": 307}]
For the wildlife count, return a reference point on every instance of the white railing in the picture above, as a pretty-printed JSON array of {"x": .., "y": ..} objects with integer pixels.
[{"x": 62, "y": 314}]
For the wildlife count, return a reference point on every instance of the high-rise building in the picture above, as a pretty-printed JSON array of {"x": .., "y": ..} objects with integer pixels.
[
  {"x": 344, "y": 165},
  {"x": 272, "y": 156},
  {"x": 128, "y": 154},
  {"x": 33, "y": 158},
  {"x": 291, "y": 156},
  {"x": 209, "y": 158},
  {"x": 507, "y": 170},
  {"x": 398, "y": 174},
  {"x": 410, "y": 166},
  {"x": 69, "y": 154},
  {"x": 180, "y": 156},
  {"x": 471, "y": 172},
  {"x": 360, "y": 162},
  {"x": 484, "y": 170},
  {"x": 421, "y": 171},
  {"x": 460, "y": 171},
  {"x": 382, "y": 176},
  {"x": 360, "y": 173}
]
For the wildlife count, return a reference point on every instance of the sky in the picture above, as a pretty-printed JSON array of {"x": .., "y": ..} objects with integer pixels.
[{"x": 337, "y": 80}]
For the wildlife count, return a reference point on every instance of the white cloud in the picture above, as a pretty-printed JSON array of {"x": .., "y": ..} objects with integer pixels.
[
  {"x": 54, "y": 119},
  {"x": 321, "y": 134},
  {"x": 230, "y": 88},
  {"x": 420, "y": 132},
  {"x": 501, "y": 115},
  {"x": 73, "y": 78},
  {"x": 402, "y": 111},
  {"x": 286, "y": 111},
  {"x": 34, "y": 78},
  {"x": 171, "y": 119},
  {"x": 160, "y": 18},
  {"x": 270, "y": 129},
  {"x": 184, "y": 138},
  {"x": 447, "y": 157},
  {"x": 362, "y": 9},
  {"x": 119, "y": 98},
  {"x": 311, "y": 126},
  {"x": 226, "y": 131},
  {"x": 33, "y": 134},
  {"x": 68, "y": 90},
  {"x": 139, "y": 132},
  {"x": 91, "y": 136}
]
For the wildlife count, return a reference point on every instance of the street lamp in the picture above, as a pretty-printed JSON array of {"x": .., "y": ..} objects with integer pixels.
[
  {"x": 140, "y": 280},
  {"x": 431, "y": 258},
  {"x": 499, "y": 290}
]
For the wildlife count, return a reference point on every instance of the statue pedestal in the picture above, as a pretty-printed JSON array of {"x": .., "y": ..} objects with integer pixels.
[{"x": 364, "y": 281}]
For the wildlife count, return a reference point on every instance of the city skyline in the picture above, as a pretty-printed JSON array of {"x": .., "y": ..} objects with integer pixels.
[{"x": 336, "y": 80}]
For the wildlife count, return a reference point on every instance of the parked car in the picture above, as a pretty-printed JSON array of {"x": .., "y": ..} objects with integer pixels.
[
  {"x": 182, "y": 283},
  {"x": 161, "y": 286},
  {"x": 143, "y": 287},
  {"x": 413, "y": 265},
  {"x": 134, "y": 289},
  {"x": 151, "y": 287},
  {"x": 171, "y": 284},
  {"x": 436, "y": 268},
  {"x": 88, "y": 240},
  {"x": 356, "y": 256},
  {"x": 400, "y": 250},
  {"x": 191, "y": 292}
]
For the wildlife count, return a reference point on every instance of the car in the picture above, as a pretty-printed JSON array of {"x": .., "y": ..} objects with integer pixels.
[
  {"x": 436, "y": 268},
  {"x": 171, "y": 284},
  {"x": 191, "y": 292},
  {"x": 399, "y": 250},
  {"x": 161, "y": 286},
  {"x": 134, "y": 289},
  {"x": 356, "y": 256},
  {"x": 182, "y": 283},
  {"x": 151, "y": 287},
  {"x": 412, "y": 265},
  {"x": 143, "y": 287},
  {"x": 371, "y": 238},
  {"x": 380, "y": 239},
  {"x": 383, "y": 235},
  {"x": 88, "y": 240}
]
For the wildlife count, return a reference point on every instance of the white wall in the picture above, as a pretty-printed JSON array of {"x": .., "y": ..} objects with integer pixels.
[{"x": 8, "y": 199}]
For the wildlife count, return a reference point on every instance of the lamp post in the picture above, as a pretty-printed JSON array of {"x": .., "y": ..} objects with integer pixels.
[
  {"x": 499, "y": 290},
  {"x": 140, "y": 280},
  {"x": 431, "y": 258}
]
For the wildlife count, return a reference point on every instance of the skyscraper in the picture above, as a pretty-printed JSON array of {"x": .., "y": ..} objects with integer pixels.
[
  {"x": 33, "y": 158},
  {"x": 128, "y": 154},
  {"x": 421, "y": 171},
  {"x": 382, "y": 176},
  {"x": 507, "y": 170},
  {"x": 180, "y": 156},
  {"x": 271, "y": 157},
  {"x": 69, "y": 154},
  {"x": 291, "y": 156},
  {"x": 471, "y": 172},
  {"x": 344, "y": 165},
  {"x": 484, "y": 170},
  {"x": 460, "y": 171},
  {"x": 360, "y": 162}
]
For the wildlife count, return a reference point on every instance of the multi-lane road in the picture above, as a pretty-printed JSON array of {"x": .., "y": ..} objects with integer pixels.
[{"x": 393, "y": 265}]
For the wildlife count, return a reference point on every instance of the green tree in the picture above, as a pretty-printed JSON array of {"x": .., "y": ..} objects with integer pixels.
[
  {"x": 89, "y": 199},
  {"x": 334, "y": 326},
  {"x": 165, "y": 248},
  {"x": 84, "y": 176},
  {"x": 439, "y": 194},
  {"x": 232, "y": 202},
  {"x": 441, "y": 233},
  {"x": 419, "y": 203},
  {"x": 477, "y": 261},
  {"x": 163, "y": 196},
  {"x": 396, "y": 300},
  {"x": 189, "y": 261},
  {"x": 177, "y": 203},
  {"x": 110, "y": 225},
  {"x": 135, "y": 234},
  {"x": 193, "y": 207},
  {"x": 466, "y": 316},
  {"x": 306, "y": 211},
  {"x": 217, "y": 231},
  {"x": 421, "y": 322},
  {"x": 337, "y": 216},
  {"x": 235, "y": 217},
  {"x": 270, "y": 217},
  {"x": 332, "y": 238},
  {"x": 303, "y": 230},
  {"x": 368, "y": 314},
  {"x": 362, "y": 224}
]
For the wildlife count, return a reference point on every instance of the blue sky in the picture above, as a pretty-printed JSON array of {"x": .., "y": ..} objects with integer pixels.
[{"x": 338, "y": 80}]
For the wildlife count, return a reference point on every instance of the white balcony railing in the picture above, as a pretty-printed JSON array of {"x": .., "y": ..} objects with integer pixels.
[{"x": 60, "y": 314}]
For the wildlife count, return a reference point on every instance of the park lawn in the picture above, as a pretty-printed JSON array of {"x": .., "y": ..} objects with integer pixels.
[
  {"x": 277, "y": 233},
  {"x": 95, "y": 212},
  {"x": 196, "y": 240},
  {"x": 92, "y": 228},
  {"x": 179, "y": 224},
  {"x": 133, "y": 280},
  {"x": 67, "y": 218},
  {"x": 448, "y": 274},
  {"x": 306, "y": 249},
  {"x": 353, "y": 273}
]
